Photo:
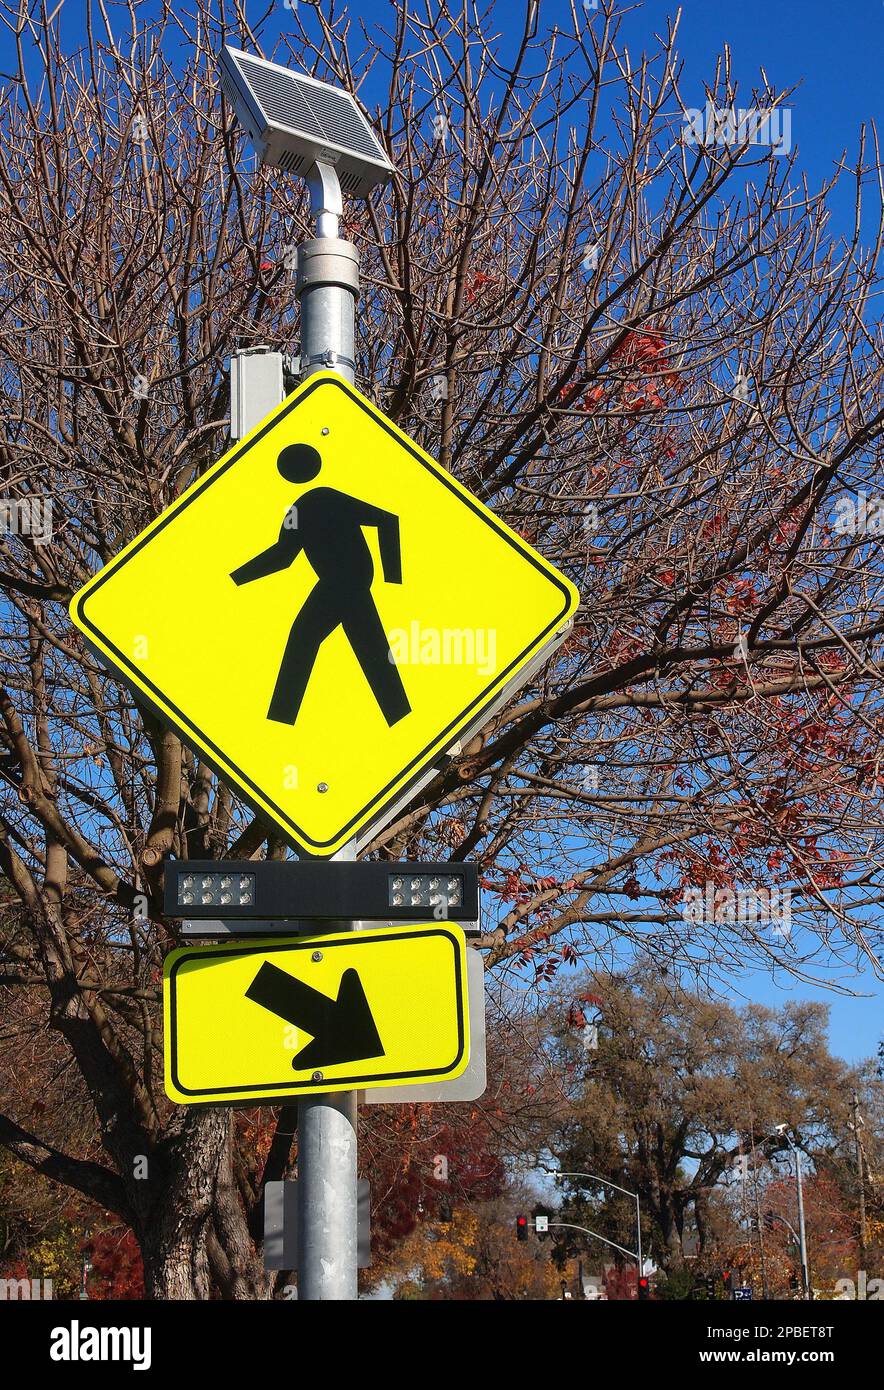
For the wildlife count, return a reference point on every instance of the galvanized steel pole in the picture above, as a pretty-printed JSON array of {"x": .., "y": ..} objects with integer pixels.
[{"x": 327, "y": 287}]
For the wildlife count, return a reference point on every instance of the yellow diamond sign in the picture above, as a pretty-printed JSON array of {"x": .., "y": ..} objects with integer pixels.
[
  {"x": 260, "y": 1021},
  {"x": 323, "y": 613}
]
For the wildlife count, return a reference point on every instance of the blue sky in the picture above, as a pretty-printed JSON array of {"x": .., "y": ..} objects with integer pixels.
[
  {"x": 835, "y": 52},
  {"x": 855, "y": 1024}
]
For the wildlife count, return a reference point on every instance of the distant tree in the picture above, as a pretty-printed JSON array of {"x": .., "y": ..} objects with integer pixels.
[
  {"x": 677, "y": 1285},
  {"x": 476, "y": 1256},
  {"x": 425, "y": 1163},
  {"x": 619, "y": 1283},
  {"x": 674, "y": 1097}
]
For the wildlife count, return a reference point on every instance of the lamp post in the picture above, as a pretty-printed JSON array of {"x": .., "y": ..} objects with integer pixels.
[
  {"x": 593, "y": 1177},
  {"x": 802, "y": 1233},
  {"x": 856, "y": 1124}
]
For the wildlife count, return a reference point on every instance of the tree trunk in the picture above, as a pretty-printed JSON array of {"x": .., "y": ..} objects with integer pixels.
[
  {"x": 193, "y": 1231},
  {"x": 672, "y": 1255}
]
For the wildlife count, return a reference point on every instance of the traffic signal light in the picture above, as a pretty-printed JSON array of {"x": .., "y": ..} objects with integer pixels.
[
  {"x": 521, "y": 1228},
  {"x": 644, "y": 1288},
  {"x": 793, "y": 1282},
  {"x": 726, "y": 1280},
  {"x": 710, "y": 1285}
]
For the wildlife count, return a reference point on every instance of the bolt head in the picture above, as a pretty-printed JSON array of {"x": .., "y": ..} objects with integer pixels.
[
  {"x": 317, "y": 956},
  {"x": 322, "y": 786},
  {"x": 317, "y": 1076}
]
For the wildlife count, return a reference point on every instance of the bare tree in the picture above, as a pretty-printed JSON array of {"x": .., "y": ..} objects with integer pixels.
[{"x": 641, "y": 345}]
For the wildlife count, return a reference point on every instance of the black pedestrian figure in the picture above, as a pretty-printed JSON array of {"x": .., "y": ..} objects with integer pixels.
[{"x": 327, "y": 526}]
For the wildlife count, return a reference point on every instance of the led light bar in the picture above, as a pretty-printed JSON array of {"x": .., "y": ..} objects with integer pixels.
[
  {"x": 263, "y": 890},
  {"x": 415, "y": 889},
  {"x": 214, "y": 889}
]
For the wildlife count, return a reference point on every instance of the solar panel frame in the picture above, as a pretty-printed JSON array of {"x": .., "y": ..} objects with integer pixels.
[{"x": 295, "y": 119}]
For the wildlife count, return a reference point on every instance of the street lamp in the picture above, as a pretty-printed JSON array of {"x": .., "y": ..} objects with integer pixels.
[
  {"x": 593, "y": 1177},
  {"x": 783, "y": 1132},
  {"x": 315, "y": 131}
]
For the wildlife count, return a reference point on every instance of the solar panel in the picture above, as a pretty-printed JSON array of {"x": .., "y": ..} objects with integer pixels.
[
  {"x": 295, "y": 120},
  {"x": 340, "y": 119},
  {"x": 280, "y": 97}
]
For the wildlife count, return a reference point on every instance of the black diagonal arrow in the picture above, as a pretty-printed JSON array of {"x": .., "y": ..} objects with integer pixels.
[{"x": 343, "y": 1029}]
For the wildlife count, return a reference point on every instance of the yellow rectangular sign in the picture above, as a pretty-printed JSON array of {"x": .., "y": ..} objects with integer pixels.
[{"x": 262, "y": 1021}]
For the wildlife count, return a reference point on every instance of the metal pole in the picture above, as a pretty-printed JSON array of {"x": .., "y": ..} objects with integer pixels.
[
  {"x": 758, "y": 1217},
  {"x": 327, "y": 1215},
  {"x": 327, "y": 284},
  {"x": 802, "y": 1235},
  {"x": 327, "y": 288},
  {"x": 634, "y": 1254},
  {"x": 328, "y": 1211},
  {"x": 860, "y": 1170}
]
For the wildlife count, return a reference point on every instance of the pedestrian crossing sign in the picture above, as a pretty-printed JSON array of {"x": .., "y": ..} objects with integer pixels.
[{"x": 324, "y": 613}]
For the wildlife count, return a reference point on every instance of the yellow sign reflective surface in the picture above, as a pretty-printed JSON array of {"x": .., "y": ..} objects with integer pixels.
[
  {"x": 259, "y": 1021},
  {"x": 323, "y": 613}
]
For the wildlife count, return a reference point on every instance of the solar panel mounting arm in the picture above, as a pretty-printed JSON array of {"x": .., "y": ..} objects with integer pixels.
[{"x": 326, "y": 201}]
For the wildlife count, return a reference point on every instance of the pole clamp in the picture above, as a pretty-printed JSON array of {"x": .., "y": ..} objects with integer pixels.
[{"x": 330, "y": 359}]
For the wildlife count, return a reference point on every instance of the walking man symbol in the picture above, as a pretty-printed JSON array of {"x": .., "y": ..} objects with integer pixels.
[{"x": 327, "y": 526}]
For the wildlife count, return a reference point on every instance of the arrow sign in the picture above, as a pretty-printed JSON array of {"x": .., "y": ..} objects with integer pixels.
[
  {"x": 343, "y": 1029},
  {"x": 225, "y": 1042}
]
